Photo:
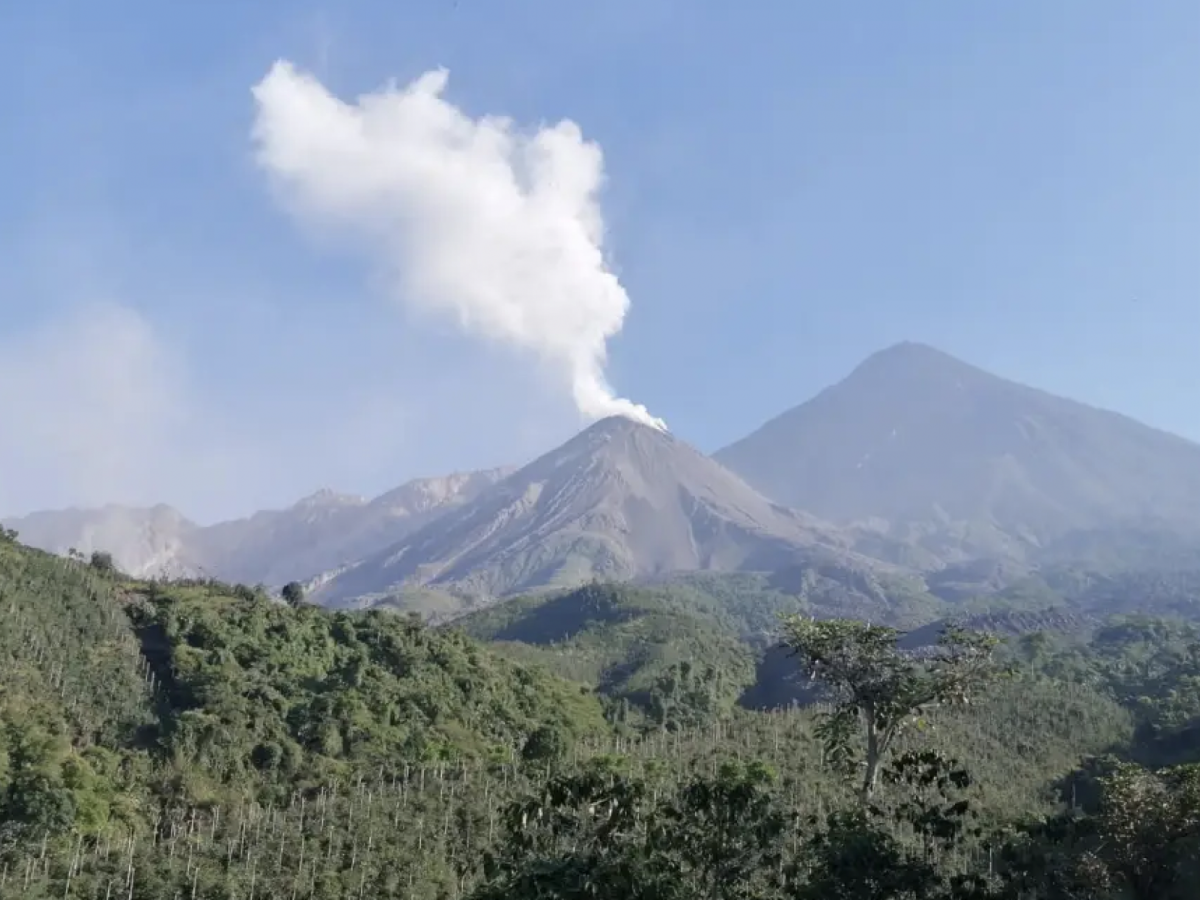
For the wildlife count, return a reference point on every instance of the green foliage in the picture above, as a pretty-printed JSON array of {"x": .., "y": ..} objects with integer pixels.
[
  {"x": 103, "y": 562},
  {"x": 601, "y": 833},
  {"x": 66, "y": 648},
  {"x": 195, "y": 739},
  {"x": 120, "y": 702},
  {"x": 723, "y": 836},
  {"x": 1143, "y": 842},
  {"x": 546, "y": 744},
  {"x": 751, "y": 603},
  {"x": 863, "y": 853},
  {"x": 658, "y": 662},
  {"x": 293, "y": 593},
  {"x": 74, "y": 701},
  {"x": 728, "y": 835},
  {"x": 304, "y": 695},
  {"x": 1150, "y": 666},
  {"x": 877, "y": 689}
]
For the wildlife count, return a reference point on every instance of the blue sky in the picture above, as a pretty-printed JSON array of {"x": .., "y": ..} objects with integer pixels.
[{"x": 790, "y": 187}]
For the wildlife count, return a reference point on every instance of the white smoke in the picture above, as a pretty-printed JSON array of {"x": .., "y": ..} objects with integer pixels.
[
  {"x": 500, "y": 230},
  {"x": 90, "y": 403}
]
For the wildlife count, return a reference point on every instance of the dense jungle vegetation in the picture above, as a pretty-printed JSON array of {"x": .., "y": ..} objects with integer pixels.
[{"x": 199, "y": 740}]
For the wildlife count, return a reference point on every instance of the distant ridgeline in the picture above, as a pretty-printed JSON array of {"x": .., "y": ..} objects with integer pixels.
[{"x": 196, "y": 739}]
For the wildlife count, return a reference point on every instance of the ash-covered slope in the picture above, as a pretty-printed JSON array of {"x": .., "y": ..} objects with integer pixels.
[
  {"x": 618, "y": 501},
  {"x": 327, "y": 530},
  {"x": 272, "y": 547},
  {"x": 156, "y": 541},
  {"x": 967, "y": 463}
]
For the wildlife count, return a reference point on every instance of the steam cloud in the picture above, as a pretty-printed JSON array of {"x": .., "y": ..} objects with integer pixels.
[
  {"x": 75, "y": 390},
  {"x": 498, "y": 229}
]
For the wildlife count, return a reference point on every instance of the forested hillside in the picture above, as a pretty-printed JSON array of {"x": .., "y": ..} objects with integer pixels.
[{"x": 202, "y": 740}]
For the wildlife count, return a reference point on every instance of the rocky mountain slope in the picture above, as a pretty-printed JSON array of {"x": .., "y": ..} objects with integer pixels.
[
  {"x": 328, "y": 530},
  {"x": 943, "y": 455},
  {"x": 271, "y": 547},
  {"x": 619, "y": 500}
]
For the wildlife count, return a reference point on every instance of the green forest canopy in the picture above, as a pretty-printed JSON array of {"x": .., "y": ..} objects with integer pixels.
[{"x": 199, "y": 739}]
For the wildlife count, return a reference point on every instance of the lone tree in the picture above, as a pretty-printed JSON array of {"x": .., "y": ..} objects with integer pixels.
[
  {"x": 877, "y": 688},
  {"x": 293, "y": 594},
  {"x": 102, "y": 561}
]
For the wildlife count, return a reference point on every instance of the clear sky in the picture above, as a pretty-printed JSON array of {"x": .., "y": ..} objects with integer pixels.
[{"x": 789, "y": 186}]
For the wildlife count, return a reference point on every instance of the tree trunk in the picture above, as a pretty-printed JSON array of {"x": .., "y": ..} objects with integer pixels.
[{"x": 874, "y": 754}]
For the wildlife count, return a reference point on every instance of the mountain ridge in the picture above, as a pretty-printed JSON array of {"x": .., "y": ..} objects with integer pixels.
[
  {"x": 317, "y": 532},
  {"x": 915, "y": 461},
  {"x": 617, "y": 501}
]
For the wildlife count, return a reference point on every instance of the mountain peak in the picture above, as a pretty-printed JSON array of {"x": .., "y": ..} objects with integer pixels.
[
  {"x": 912, "y": 349},
  {"x": 910, "y": 360},
  {"x": 421, "y": 494},
  {"x": 611, "y": 426},
  {"x": 622, "y": 424},
  {"x": 914, "y": 435},
  {"x": 621, "y": 499},
  {"x": 617, "y": 441},
  {"x": 329, "y": 497}
]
